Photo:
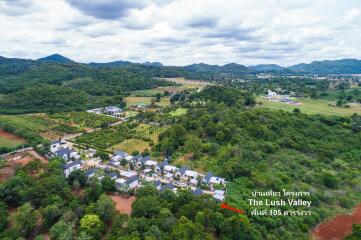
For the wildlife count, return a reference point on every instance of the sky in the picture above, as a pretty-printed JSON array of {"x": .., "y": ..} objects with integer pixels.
[{"x": 182, "y": 32}]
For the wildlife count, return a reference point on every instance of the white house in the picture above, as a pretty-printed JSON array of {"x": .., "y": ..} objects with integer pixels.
[
  {"x": 271, "y": 94},
  {"x": 211, "y": 180},
  {"x": 113, "y": 111},
  {"x": 170, "y": 169},
  {"x": 219, "y": 195},
  {"x": 71, "y": 167},
  {"x": 56, "y": 145},
  {"x": 150, "y": 164},
  {"x": 66, "y": 154},
  {"x": 190, "y": 175}
]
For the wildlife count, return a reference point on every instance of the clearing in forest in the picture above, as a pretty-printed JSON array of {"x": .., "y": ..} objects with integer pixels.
[
  {"x": 310, "y": 106},
  {"x": 338, "y": 227}
]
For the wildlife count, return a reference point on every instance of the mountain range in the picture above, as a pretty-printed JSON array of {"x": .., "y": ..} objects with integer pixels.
[{"x": 342, "y": 66}]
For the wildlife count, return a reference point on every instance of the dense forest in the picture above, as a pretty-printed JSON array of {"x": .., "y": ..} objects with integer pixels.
[
  {"x": 38, "y": 86},
  {"x": 261, "y": 150}
]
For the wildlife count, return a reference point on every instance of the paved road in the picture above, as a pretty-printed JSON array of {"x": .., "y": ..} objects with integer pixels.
[{"x": 17, "y": 151}]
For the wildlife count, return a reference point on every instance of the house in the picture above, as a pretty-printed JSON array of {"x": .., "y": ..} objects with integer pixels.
[
  {"x": 71, "y": 167},
  {"x": 112, "y": 175},
  {"x": 160, "y": 166},
  {"x": 67, "y": 154},
  {"x": 119, "y": 155},
  {"x": 90, "y": 173},
  {"x": 56, "y": 145},
  {"x": 113, "y": 111},
  {"x": 169, "y": 186},
  {"x": 140, "y": 161},
  {"x": 169, "y": 176},
  {"x": 169, "y": 169},
  {"x": 120, "y": 184},
  {"x": 193, "y": 182},
  {"x": 114, "y": 163},
  {"x": 150, "y": 164},
  {"x": 158, "y": 185},
  {"x": 207, "y": 178},
  {"x": 211, "y": 180},
  {"x": 219, "y": 195},
  {"x": 181, "y": 171},
  {"x": 128, "y": 174},
  {"x": 190, "y": 175},
  {"x": 271, "y": 94},
  {"x": 197, "y": 192},
  {"x": 132, "y": 182}
]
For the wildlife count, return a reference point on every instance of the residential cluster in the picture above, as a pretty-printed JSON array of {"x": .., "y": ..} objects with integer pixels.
[{"x": 130, "y": 172}]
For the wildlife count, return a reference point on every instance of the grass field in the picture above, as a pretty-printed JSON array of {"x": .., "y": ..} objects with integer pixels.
[
  {"x": 310, "y": 106},
  {"x": 131, "y": 145},
  {"x": 164, "y": 102},
  {"x": 178, "y": 112},
  {"x": 183, "y": 84},
  {"x": 147, "y": 92}
]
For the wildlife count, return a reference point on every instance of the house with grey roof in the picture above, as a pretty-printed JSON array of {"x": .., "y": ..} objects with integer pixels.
[
  {"x": 122, "y": 184},
  {"x": 112, "y": 175},
  {"x": 132, "y": 182},
  {"x": 56, "y": 145},
  {"x": 160, "y": 166},
  {"x": 70, "y": 167},
  {"x": 180, "y": 173},
  {"x": 66, "y": 154},
  {"x": 211, "y": 180},
  {"x": 158, "y": 185},
  {"x": 169, "y": 186},
  {"x": 90, "y": 173},
  {"x": 197, "y": 192}
]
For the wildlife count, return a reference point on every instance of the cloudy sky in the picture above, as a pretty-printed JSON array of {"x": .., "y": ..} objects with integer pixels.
[{"x": 180, "y": 32}]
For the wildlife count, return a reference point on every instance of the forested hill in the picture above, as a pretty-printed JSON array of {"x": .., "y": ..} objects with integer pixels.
[
  {"x": 27, "y": 85},
  {"x": 265, "y": 150}
]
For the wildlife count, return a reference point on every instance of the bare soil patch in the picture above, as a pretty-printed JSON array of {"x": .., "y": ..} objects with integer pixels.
[
  {"x": 338, "y": 227},
  {"x": 10, "y": 136},
  {"x": 123, "y": 204},
  {"x": 19, "y": 159}
]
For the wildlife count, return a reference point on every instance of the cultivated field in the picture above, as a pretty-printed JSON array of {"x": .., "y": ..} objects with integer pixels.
[
  {"x": 37, "y": 124},
  {"x": 131, "y": 145},
  {"x": 9, "y": 140},
  {"x": 83, "y": 119},
  {"x": 310, "y": 106},
  {"x": 143, "y": 136}
]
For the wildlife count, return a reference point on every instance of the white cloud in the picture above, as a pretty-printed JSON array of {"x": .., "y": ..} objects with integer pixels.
[{"x": 180, "y": 32}]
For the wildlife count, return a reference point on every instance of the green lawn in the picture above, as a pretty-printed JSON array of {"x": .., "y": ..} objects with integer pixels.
[
  {"x": 147, "y": 93},
  {"x": 310, "y": 106},
  {"x": 178, "y": 112},
  {"x": 164, "y": 102}
]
